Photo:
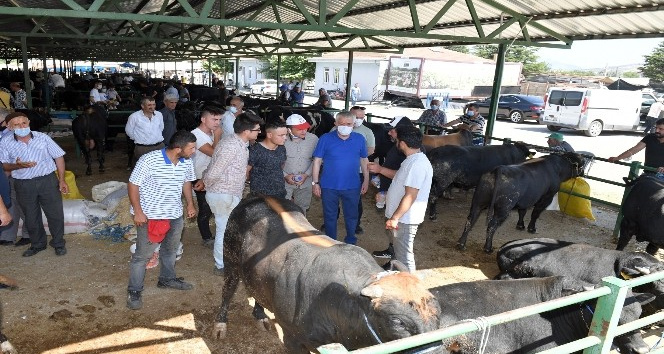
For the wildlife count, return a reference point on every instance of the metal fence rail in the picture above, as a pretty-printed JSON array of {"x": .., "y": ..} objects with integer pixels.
[{"x": 604, "y": 326}]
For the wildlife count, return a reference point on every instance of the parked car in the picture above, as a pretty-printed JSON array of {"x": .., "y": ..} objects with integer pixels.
[
  {"x": 264, "y": 87},
  {"x": 647, "y": 99},
  {"x": 516, "y": 108}
]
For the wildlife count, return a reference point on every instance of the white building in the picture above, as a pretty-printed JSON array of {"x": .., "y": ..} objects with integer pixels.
[
  {"x": 250, "y": 70},
  {"x": 416, "y": 72}
]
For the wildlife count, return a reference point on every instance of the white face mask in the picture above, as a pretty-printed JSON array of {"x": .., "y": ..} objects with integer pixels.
[
  {"x": 358, "y": 122},
  {"x": 344, "y": 130}
]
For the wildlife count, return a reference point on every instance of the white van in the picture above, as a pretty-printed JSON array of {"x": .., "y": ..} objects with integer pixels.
[{"x": 591, "y": 110}]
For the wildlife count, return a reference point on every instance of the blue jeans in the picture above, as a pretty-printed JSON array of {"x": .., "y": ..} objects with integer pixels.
[
  {"x": 221, "y": 205},
  {"x": 145, "y": 249},
  {"x": 349, "y": 200}
]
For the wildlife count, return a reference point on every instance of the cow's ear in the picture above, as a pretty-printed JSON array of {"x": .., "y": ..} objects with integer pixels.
[
  {"x": 372, "y": 291},
  {"x": 395, "y": 265}
]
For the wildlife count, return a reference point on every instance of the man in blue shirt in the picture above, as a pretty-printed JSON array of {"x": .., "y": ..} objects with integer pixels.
[{"x": 343, "y": 152}]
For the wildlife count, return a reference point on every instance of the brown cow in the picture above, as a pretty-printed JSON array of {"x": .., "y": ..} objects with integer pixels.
[{"x": 461, "y": 138}]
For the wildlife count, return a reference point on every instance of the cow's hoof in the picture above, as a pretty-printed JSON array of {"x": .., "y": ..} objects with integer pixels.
[
  {"x": 102, "y": 170},
  {"x": 433, "y": 218},
  {"x": 219, "y": 330},
  {"x": 461, "y": 247},
  {"x": 7, "y": 348},
  {"x": 488, "y": 250},
  {"x": 263, "y": 324},
  {"x": 532, "y": 231},
  {"x": 520, "y": 227}
]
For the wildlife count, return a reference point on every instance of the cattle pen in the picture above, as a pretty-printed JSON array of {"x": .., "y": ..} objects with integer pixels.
[{"x": 603, "y": 328}]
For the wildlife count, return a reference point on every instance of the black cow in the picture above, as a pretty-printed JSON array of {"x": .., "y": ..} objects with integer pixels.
[
  {"x": 5, "y": 346},
  {"x": 321, "y": 291},
  {"x": 643, "y": 214},
  {"x": 89, "y": 130},
  {"x": 543, "y": 257},
  {"x": 465, "y": 165},
  {"x": 532, "y": 183},
  {"x": 530, "y": 334}
]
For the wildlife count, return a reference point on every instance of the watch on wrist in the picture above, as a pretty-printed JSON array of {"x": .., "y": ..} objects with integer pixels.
[{"x": 314, "y": 183}]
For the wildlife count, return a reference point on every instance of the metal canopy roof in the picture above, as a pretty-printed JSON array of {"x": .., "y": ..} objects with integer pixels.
[{"x": 140, "y": 30}]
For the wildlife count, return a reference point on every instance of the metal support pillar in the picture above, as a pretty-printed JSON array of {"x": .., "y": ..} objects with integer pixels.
[
  {"x": 495, "y": 93},
  {"x": 236, "y": 82},
  {"x": 278, "y": 73},
  {"x": 26, "y": 73},
  {"x": 192, "y": 72},
  {"x": 349, "y": 75}
]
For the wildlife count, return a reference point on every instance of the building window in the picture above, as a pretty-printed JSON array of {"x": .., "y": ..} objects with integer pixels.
[
  {"x": 345, "y": 75},
  {"x": 326, "y": 75},
  {"x": 250, "y": 72},
  {"x": 337, "y": 71}
]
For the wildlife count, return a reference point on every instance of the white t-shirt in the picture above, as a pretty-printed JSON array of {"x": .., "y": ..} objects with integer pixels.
[
  {"x": 201, "y": 160},
  {"x": 96, "y": 95},
  {"x": 415, "y": 172}
]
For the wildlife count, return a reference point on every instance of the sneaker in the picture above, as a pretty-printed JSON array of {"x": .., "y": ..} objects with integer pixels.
[
  {"x": 380, "y": 200},
  {"x": 208, "y": 243},
  {"x": 218, "y": 271},
  {"x": 176, "y": 283},
  {"x": 134, "y": 300},
  {"x": 359, "y": 230},
  {"x": 386, "y": 253}
]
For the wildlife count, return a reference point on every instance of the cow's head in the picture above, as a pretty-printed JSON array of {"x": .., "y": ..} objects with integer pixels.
[
  {"x": 636, "y": 264},
  {"x": 578, "y": 163},
  {"x": 400, "y": 307}
]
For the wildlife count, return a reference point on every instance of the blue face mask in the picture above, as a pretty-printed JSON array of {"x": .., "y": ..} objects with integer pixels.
[
  {"x": 232, "y": 109},
  {"x": 22, "y": 132},
  {"x": 470, "y": 113},
  {"x": 434, "y": 107}
]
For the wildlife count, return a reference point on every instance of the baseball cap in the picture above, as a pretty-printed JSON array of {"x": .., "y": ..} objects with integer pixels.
[
  {"x": 399, "y": 120},
  {"x": 297, "y": 121},
  {"x": 556, "y": 136},
  {"x": 283, "y": 87}
]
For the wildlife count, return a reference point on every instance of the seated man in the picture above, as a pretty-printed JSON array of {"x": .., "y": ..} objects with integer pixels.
[
  {"x": 471, "y": 121},
  {"x": 433, "y": 118},
  {"x": 555, "y": 141}
]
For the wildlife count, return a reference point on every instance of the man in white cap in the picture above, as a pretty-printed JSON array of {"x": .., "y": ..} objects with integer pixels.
[{"x": 300, "y": 146}]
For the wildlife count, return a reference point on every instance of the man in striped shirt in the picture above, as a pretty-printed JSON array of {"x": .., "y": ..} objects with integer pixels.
[
  {"x": 31, "y": 157},
  {"x": 225, "y": 177},
  {"x": 155, "y": 187}
]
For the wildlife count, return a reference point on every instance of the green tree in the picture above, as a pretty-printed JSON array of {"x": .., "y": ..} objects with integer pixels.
[
  {"x": 629, "y": 74},
  {"x": 459, "y": 48},
  {"x": 520, "y": 54},
  {"x": 293, "y": 67},
  {"x": 654, "y": 64},
  {"x": 219, "y": 66}
]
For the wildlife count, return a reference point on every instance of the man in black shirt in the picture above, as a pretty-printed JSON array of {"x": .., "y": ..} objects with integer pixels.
[{"x": 654, "y": 145}]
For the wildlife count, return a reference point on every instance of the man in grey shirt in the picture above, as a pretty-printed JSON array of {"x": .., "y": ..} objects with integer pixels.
[
  {"x": 300, "y": 145},
  {"x": 168, "y": 112}
]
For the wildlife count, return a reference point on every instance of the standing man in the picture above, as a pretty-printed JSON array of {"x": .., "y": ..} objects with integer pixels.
[
  {"x": 155, "y": 190},
  {"x": 207, "y": 135},
  {"x": 266, "y": 162},
  {"x": 234, "y": 111},
  {"x": 19, "y": 99},
  {"x": 145, "y": 128},
  {"x": 225, "y": 176},
  {"x": 343, "y": 152},
  {"x": 297, "y": 96},
  {"x": 654, "y": 145},
  {"x": 471, "y": 121},
  {"x": 433, "y": 118},
  {"x": 168, "y": 114},
  {"x": 408, "y": 195},
  {"x": 300, "y": 147},
  {"x": 324, "y": 100},
  {"x": 556, "y": 142},
  {"x": 8, "y": 234},
  {"x": 182, "y": 92},
  {"x": 355, "y": 94},
  {"x": 653, "y": 114},
  {"x": 31, "y": 157}
]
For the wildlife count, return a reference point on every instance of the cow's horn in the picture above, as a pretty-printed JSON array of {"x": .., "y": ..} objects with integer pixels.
[
  {"x": 643, "y": 270},
  {"x": 372, "y": 291}
]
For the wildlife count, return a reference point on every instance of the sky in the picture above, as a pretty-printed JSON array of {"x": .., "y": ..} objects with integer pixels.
[{"x": 599, "y": 53}]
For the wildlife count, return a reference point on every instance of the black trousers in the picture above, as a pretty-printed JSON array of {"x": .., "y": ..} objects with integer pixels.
[
  {"x": 203, "y": 217},
  {"x": 37, "y": 194}
]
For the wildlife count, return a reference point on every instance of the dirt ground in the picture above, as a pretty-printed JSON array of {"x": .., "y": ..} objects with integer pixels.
[{"x": 76, "y": 303}]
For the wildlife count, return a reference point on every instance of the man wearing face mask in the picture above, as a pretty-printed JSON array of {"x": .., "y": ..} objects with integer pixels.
[
  {"x": 471, "y": 121},
  {"x": 300, "y": 146},
  {"x": 31, "y": 157},
  {"x": 370, "y": 140},
  {"x": 343, "y": 152},
  {"x": 433, "y": 118},
  {"x": 96, "y": 96},
  {"x": 234, "y": 110}
]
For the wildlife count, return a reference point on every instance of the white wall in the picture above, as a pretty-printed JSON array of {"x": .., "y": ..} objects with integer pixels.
[
  {"x": 250, "y": 73},
  {"x": 365, "y": 74}
]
